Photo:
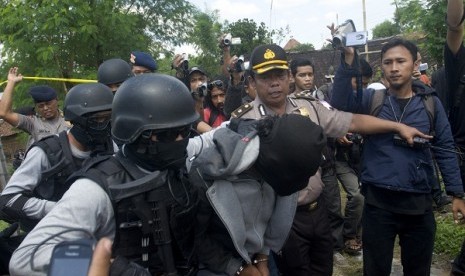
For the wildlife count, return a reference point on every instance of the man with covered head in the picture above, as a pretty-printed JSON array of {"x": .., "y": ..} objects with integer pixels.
[
  {"x": 122, "y": 196},
  {"x": 47, "y": 121},
  {"x": 250, "y": 185},
  {"x": 309, "y": 248}
]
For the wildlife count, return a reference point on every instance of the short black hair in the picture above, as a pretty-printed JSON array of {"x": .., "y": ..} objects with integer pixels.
[
  {"x": 300, "y": 62},
  {"x": 365, "y": 68},
  {"x": 410, "y": 46}
]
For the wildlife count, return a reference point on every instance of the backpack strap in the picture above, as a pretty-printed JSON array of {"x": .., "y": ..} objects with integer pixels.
[
  {"x": 377, "y": 101},
  {"x": 428, "y": 102}
]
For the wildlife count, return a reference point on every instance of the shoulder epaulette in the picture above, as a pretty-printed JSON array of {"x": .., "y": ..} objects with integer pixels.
[
  {"x": 306, "y": 94},
  {"x": 241, "y": 110}
]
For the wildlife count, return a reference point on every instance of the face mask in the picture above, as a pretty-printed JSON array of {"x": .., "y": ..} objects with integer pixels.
[
  {"x": 159, "y": 155},
  {"x": 91, "y": 138}
]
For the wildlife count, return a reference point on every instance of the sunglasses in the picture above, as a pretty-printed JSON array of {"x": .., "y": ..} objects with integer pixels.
[
  {"x": 99, "y": 121},
  {"x": 169, "y": 135},
  {"x": 215, "y": 83}
]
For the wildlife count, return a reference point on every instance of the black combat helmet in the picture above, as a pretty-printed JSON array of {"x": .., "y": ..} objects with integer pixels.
[
  {"x": 86, "y": 98},
  {"x": 150, "y": 101},
  {"x": 113, "y": 71}
]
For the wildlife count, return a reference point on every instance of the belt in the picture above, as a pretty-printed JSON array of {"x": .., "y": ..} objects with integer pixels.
[{"x": 308, "y": 207}]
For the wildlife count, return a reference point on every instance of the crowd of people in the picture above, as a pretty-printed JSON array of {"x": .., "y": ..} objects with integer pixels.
[{"x": 240, "y": 174}]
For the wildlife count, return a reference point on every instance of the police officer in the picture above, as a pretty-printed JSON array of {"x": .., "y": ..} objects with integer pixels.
[
  {"x": 113, "y": 72},
  {"x": 142, "y": 63},
  {"x": 308, "y": 250},
  {"x": 39, "y": 182},
  {"x": 140, "y": 197},
  {"x": 48, "y": 120}
]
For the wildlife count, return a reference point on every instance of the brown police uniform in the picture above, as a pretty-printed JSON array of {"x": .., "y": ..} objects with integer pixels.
[
  {"x": 309, "y": 249},
  {"x": 39, "y": 128}
]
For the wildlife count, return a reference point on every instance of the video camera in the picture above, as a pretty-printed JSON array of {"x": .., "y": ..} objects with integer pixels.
[
  {"x": 354, "y": 138},
  {"x": 185, "y": 62},
  {"x": 347, "y": 36},
  {"x": 241, "y": 64},
  {"x": 229, "y": 40},
  {"x": 201, "y": 90}
]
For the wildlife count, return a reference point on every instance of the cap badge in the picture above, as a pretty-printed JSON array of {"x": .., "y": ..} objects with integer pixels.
[
  {"x": 269, "y": 54},
  {"x": 133, "y": 58}
]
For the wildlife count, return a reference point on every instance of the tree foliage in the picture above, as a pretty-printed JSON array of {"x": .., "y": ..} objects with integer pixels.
[
  {"x": 204, "y": 37},
  {"x": 251, "y": 34},
  {"x": 70, "y": 38},
  {"x": 385, "y": 29},
  {"x": 435, "y": 29},
  {"x": 303, "y": 47},
  {"x": 421, "y": 21},
  {"x": 408, "y": 14}
]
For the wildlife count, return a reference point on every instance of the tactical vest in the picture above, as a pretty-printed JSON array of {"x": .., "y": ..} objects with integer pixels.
[
  {"x": 154, "y": 213},
  {"x": 53, "y": 185}
]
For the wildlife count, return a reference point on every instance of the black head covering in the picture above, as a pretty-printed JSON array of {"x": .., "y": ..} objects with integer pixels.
[{"x": 290, "y": 151}]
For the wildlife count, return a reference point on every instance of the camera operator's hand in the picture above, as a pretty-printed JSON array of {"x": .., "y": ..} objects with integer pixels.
[
  {"x": 100, "y": 264},
  {"x": 236, "y": 77},
  {"x": 332, "y": 28},
  {"x": 177, "y": 60},
  {"x": 226, "y": 55},
  {"x": 221, "y": 43},
  {"x": 344, "y": 141},
  {"x": 349, "y": 52}
]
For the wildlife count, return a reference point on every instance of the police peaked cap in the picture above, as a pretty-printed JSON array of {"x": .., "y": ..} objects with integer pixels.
[{"x": 267, "y": 57}]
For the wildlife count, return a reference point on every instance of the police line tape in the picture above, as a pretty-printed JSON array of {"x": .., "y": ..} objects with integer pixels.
[{"x": 54, "y": 79}]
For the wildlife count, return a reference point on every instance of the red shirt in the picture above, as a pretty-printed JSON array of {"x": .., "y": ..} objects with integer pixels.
[{"x": 219, "y": 119}]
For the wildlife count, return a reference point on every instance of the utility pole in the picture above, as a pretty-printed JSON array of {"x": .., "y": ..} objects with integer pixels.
[
  {"x": 365, "y": 29},
  {"x": 271, "y": 10}
]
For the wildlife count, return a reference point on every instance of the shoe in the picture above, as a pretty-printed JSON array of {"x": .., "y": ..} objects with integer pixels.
[{"x": 442, "y": 201}]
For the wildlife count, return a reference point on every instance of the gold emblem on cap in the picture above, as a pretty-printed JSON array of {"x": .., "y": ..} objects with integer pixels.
[
  {"x": 269, "y": 54},
  {"x": 133, "y": 58}
]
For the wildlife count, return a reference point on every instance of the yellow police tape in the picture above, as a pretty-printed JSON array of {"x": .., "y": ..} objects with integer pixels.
[{"x": 54, "y": 79}]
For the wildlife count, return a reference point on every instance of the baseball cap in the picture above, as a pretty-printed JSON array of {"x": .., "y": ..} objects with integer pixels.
[
  {"x": 196, "y": 69},
  {"x": 143, "y": 59},
  {"x": 267, "y": 57}
]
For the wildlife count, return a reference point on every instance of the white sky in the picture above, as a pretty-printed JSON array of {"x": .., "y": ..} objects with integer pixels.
[{"x": 307, "y": 19}]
